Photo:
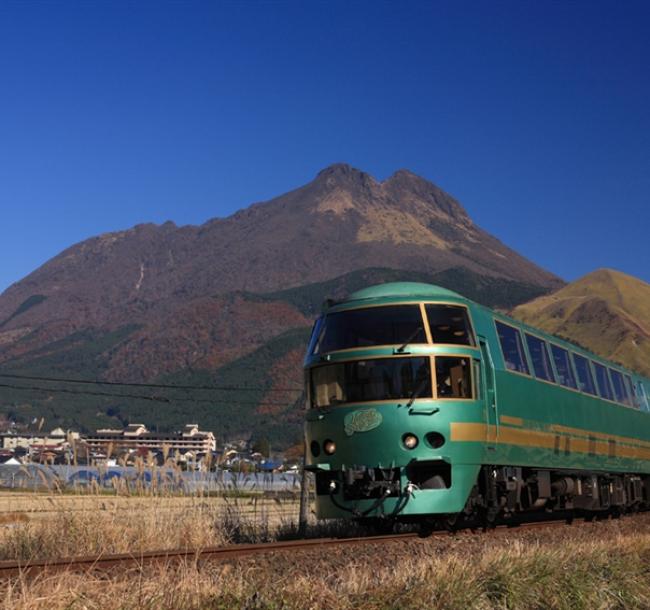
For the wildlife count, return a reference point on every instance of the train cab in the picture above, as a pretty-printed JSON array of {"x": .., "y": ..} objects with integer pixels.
[{"x": 389, "y": 372}]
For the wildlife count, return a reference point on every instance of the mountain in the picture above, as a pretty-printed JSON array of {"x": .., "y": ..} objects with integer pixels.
[
  {"x": 606, "y": 311},
  {"x": 206, "y": 302}
]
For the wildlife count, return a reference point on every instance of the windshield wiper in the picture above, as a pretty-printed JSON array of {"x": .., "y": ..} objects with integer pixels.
[
  {"x": 412, "y": 336},
  {"x": 417, "y": 392}
]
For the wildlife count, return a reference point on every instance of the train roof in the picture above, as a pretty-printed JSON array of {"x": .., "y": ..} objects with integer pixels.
[{"x": 403, "y": 289}]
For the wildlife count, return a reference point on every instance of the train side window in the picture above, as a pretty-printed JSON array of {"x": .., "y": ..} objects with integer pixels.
[
  {"x": 454, "y": 377},
  {"x": 585, "y": 378},
  {"x": 631, "y": 391},
  {"x": 563, "y": 367},
  {"x": 602, "y": 379},
  {"x": 512, "y": 348},
  {"x": 539, "y": 357},
  {"x": 620, "y": 393},
  {"x": 450, "y": 324},
  {"x": 643, "y": 399}
]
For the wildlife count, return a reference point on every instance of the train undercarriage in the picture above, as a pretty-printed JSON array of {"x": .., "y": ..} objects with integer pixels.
[
  {"x": 507, "y": 495},
  {"x": 512, "y": 495}
]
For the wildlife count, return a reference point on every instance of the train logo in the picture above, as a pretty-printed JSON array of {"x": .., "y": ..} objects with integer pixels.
[{"x": 362, "y": 421}]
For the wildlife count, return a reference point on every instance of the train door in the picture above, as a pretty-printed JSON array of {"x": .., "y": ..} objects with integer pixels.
[{"x": 490, "y": 393}]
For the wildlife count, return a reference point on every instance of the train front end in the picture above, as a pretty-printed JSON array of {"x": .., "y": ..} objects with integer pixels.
[{"x": 390, "y": 372}]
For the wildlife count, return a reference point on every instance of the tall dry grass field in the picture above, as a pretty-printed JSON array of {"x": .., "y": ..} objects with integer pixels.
[
  {"x": 38, "y": 526},
  {"x": 601, "y": 565}
]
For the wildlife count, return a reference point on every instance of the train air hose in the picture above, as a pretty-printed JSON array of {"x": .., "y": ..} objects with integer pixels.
[{"x": 379, "y": 502}]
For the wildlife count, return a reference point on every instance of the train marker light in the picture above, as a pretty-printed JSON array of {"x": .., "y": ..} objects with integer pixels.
[
  {"x": 435, "y": 439},
  {"x": 410, "y": 441},
  {"x": 329, "y": 447}
]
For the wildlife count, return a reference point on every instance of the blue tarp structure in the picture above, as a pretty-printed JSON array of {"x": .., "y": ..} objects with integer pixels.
[{"x": 38, "y": 476}]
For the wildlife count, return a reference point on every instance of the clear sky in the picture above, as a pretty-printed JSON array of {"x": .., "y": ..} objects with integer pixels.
[{"x": 536, "y": 115}]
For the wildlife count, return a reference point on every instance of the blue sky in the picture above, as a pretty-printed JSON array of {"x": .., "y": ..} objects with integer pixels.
[{"x": 536, "y": 115}]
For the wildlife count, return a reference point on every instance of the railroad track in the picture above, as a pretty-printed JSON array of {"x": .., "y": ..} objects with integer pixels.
[
  {"x": 99, "y": 563},
  {"x": 11, "y": 569}
]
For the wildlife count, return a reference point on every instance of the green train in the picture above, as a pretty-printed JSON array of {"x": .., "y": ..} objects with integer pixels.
[{"x": 426, "y": 407}]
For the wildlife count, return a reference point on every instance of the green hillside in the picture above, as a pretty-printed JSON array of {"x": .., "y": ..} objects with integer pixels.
[{"x": 487, "y": 290}]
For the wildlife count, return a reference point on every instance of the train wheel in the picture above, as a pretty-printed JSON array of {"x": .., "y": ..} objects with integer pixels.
[
  {"x": 451, "y": 523},
  {"x": 427, "y": 527},
  {"x": 376, "y": 526}
]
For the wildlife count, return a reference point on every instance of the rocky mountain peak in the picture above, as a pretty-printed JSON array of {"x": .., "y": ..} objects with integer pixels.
[
  {"x": 404, "y": 185},
  {"x": 341, "y": 221},
  {"x": 344, "y": 176}
]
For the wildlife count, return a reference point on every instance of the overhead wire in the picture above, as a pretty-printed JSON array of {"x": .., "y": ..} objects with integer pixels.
[
  {"x": 137, "y": 396},
  {"x": 166, "y": 386}
]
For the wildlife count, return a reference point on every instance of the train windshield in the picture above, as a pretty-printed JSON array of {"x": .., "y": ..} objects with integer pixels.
[
  {"x": 386, "y": 325},
  {"x": 371, "y": 380}
]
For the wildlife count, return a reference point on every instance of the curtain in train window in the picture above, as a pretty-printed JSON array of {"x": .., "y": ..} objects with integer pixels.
[
  {"x": 453, "y": 377},
  {"x": 604, "y": 385},
  {"x": 539, "y": 357},
  {"x": 620, "y": 391},
  {"x": 563, "y": 367},
  {"x": 585, "y": 378},
  {"x": 512, "y": 348}
]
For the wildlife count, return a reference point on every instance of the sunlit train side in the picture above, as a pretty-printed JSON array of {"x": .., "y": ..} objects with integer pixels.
[{"x": 423, "y": 404}]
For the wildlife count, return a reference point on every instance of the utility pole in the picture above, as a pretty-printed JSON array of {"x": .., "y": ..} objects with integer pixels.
[{"x": 304, "y": 486}]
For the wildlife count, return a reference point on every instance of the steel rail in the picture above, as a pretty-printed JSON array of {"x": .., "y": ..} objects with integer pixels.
[{"x": 13, "y": 569}]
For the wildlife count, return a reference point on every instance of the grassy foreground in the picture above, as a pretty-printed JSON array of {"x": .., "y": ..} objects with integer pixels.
[{"x": 586, "y": 566}]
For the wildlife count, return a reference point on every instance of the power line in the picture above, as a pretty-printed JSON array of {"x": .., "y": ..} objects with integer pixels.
[
  {"x": 165, "y": 386},
  {"x": 85, "y": 392},
  {"x": 136, "y": 396}
]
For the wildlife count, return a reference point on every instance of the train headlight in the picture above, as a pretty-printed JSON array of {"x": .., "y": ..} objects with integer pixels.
[
  {"x": 329, "y": 447},
  {"x": 410, "y": 441}
]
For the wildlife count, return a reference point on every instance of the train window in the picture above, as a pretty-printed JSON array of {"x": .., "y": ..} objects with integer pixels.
[
  {"x": 604, "y": 385},
  {"x": 388, "y": 325},
  {"x": 512, "y": 348},
  {"x": 371, "y": 380},
  {"x": 585, "y": 378},
  {"x": 450, "y": 324},
  {"x": 453, "y": 377},
  {"x": 643, "y": 399},
  {"x": 631, "y": 391},
  {"x": 539, "y": 357},
  {"x": 563, "y": 367},
  {"x": 620, "y": 392}
]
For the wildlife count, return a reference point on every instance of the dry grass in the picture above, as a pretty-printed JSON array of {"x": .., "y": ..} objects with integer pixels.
[
  {"x": 94, "y": 524},
  {"x": 601, "y": 565},
  {"x": 87, "y": 533}
]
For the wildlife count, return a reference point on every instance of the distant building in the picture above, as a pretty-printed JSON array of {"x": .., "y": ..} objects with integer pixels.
[
  {"x": 137, "y": 437},
  {"x": 39, "y": 446}
]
